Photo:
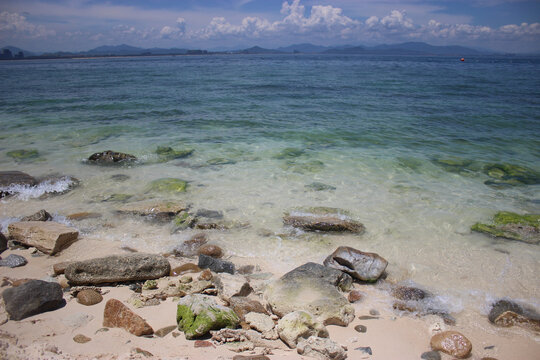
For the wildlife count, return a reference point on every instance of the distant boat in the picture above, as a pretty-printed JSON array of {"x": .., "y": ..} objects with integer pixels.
[{"x": 462, "y": 59}]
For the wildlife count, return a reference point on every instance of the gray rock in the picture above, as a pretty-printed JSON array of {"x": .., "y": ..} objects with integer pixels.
[
  {"x": 262, "y": 323},
  {"x": 131, "y": 267},
  {"x": 110, "y": 157},
  {"x": 216, "y": 265},
  {"x": 322, "y": 219},
  {"x": 41, "y": 215},
  {"x": 210, "y": 214},
  {"x": 3, "y": 243},
  {"x": 31, "y": 298},
  {"x": 507, "y": 313},
  {"x": 11, "y": 178},
  {"x": 312, "y": 288},
  {"x": 321, "y": 348},
  {"x": 297, "y": 325},
  {"x": 229, "y": 285},
  {"x": 13, "y": 260},
  {"x": 360, "y": 265},
  {"x": 431, "y": 355}
]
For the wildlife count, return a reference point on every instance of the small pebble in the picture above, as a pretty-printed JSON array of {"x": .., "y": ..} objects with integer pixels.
[
  {"x": 360, "y": 328},
  {"x": 374, "y": 312},
  {"x": 81, "y": 339},
  {"x": 165, "y": 331},
  {"x": 13, "y": 260},
  {"x": 489, "y": 347},
  {"x": 143, "y": 352},
  {"x": 89, "y": 297},
  {"x": 355, "y": 296},
  {"x": 101, "y": 330},
  {"x": 367, "y": 317},
  {"x": 431, "y": 355},
  {"x": 365, "y": 350},
  {"x": 203, "y": 343}
]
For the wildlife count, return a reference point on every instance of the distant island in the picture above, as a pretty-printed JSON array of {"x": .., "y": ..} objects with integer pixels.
[{"x": 408, "y": 48}]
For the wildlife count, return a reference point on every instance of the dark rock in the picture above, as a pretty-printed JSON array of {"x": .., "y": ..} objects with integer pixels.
[
  {"x": 360, "y": 265},
  {"x": 407, "y": 293},
  {"x": 189, "y": 247},
  {"x": 246, "y": 269},
  {"x": 89, "y": 297},
  {"x": 3, "y": 243},
  {"x": 120, "y": 177},
  {"x": 110, "y": 157},
  {"x": 322, "y": 219},
  {"x": 131, "y": 267},
  {"x": 511, "y": 175},
  {"x": 119, "y": 315},
  {"x": 431, "y": 355},
  {"x": 318, "y": 186},
  {"x": 216, "y": 265},
  {"x": 360, "y": 328},
  {"x": 355, "y": 296},
  {"x": 501, "y": 306},
  {"x": 41, "y": 215},
  {"x": 13, "y": 261},
  {"x": 185, "y": 269},
  {"x": 368, "y": 317},
  {"x": 365, "y": 350},
  {"x": 210, "y": 214},
  {"x": 210, "y": 250},
  {"x": 506, "y": 313},
  {"x": 12, "y": 178},
  {"x": 33, "y": 298}
]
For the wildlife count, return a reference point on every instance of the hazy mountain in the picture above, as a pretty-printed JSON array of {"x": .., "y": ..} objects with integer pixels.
[
  {"x": 15, "y": 50},
  {"x": 258, "y": 50},
  {"x": 305, "y": 48},
  {"x": 409, "y": 48},
  {"x": 115, "y": 50}
]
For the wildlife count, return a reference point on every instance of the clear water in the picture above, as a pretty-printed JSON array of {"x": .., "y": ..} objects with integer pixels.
[{"x": 372, "y": 127}]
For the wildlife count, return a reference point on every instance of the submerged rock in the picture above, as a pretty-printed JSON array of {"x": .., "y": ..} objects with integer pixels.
[
  {"x": 49, "y": 237},
  {"x": 118, "y": 315},
  {"x": 511, "y": 175},
  {"x": 507, "y": 313},
  {"x": 167, "y": 153},
  {"x": 312, "y": 288},
  {"x": 24, "y": 155},
  {"x": 221, "y": 161},
  {"x": 110, "y": 157},
  {"x": 198, "y": 314},
  {"x": 190, "y": 247},
  {"x": 9, "y": 179},
  {"x": 321, "y": 348},
  {"x": 319, "y": 186},
  {"x": 457, "y": 165},
  {"x": 452, "y": 343},
  {"x": 322, "y": 219},
  {"x": 41, "y": 215},
  {"x": 160, "y": 211},
  {"x": 56, "y": 184},
  {"x": 297, "y": 325},
  {"x": 360, "y": 265},
  {"x": 168, "y": 185},
  {"x": 512, "y": 226},
  {"x": 289, "y": 153},
  {"x": 31, "y": 298}
]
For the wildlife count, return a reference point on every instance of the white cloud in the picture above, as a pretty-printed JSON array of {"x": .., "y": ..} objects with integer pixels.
[
  {"x": 17, "y": 24},
  {"x": 174, "y": 32}
]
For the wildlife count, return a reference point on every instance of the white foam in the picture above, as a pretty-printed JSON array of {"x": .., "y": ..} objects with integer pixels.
[{"x": 25, "y": 192}]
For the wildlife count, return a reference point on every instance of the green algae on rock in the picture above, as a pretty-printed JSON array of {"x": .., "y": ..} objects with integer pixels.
[
  {"x": 167, "y": 153},
  {"x": 23, "y": 155},
  {"x": 221, "y": 161},
  {"x": 197, "y": 314},
  {"x": 168, "y": 185},
  {"x": 510, "y": 175},
  {"x": 289, "y": 153},
  {"x": 512, "y": 226}
]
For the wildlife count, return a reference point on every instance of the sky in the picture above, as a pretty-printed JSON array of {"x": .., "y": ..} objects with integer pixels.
[{"x": 78, "y": 25}]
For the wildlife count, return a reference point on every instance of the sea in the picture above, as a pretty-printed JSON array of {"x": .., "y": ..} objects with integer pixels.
[{"x": 401, "y": 143}]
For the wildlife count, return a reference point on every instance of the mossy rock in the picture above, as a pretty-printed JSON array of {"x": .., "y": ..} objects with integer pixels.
[
  {"x": 511, "y": 175},
  {"x": 183, "y": 221},
  {"x": 169, "y": 185},
  {"x": 150, "y": 285},
  {"x": 197, "y": 314},
  {"x": 22, "y": 155},
  {"x": 457, "y": 165},
  {"x": 512, "y": 226},
  {"x": 118, "y": 198},
  {"x": 220, "y": 161},
  {"x": 319, "y": 186},
  {"x": 409, "y": 163},
  {"x": 167, "y": 153},
  {"x": 289, "y": 153},
  {"x": 310, "y": 166}
]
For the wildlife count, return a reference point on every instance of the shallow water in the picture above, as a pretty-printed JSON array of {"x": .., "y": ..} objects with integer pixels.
[{"x": 373, "y": 128}]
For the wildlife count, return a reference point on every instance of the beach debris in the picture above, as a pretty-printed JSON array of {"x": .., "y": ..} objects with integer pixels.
[
  {"x": 243, "y": 305},
  {"x": 321, "y": 348},
  {"x": 360, "y": 328},
  {"x": 262, "y": 323},
  {"x": 506, "y": 313},
  {"x": 89, "y": 297},
  {"x": 13, "y": 260},
  {"x": 210, "y": 250},
  {"x": 129, "y": 267},
  {"x": 159, "y": 211},
  {"x": 3, "y": 243},
  {"x": 41, "y": 215},
  {"x": 452, "y": 343},
  {"x": 360, "y": 265},
  {"x": 110, "y": 157},
  {"x": 431, "y": 355},
  {"x": 49, "y": 237},
  {"x": 313, "y": 288},
  {"x": 164, "y": 331},
  {"x": 31, "y": 298},
  {"x": 81, "y": 339},
  {"x": 168, "y": 185},
  {"x": 409, "y": 293},
  {"x": 322, "y": 219},
  {"x": 198, "y": 314},
  {"x": 10, "y": 180},
  {"x": 512, "y": 226},
  {"x": 229, "y": 285},
  {"x": 118, "y": 315},
  {"x": 299, "y": 324},
  {"x": 216, "y": 265}
]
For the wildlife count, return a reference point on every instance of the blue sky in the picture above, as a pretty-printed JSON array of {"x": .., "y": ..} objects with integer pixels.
[{"x": 47, "y": 25}]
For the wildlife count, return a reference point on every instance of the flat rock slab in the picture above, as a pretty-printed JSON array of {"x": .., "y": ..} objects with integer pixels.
[
  {"x": 31, "y": 298},
  {"x": 119, "y": 315},
  {"x": 323, "y": 219},
  {"x": 164, "y": 210},
  {"x": 115, "y": 268},
  {"x": 47, "y": 236}
]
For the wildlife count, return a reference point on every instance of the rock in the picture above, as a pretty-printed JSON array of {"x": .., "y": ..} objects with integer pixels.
[
  {"x": 251, "y": 357},
  {"x": 165, "y": 331},
  {"x": 120, "y": 177},
  {"x": 110, "y": 157},
  {"x": 511, "y": 175},
  {"x": 512, "y": 226},
  {"x": 365, "y": 349},
  {"x": 83, "y": 216},
  {"x": 355, "y": 296},
  {"x": 230, "y": 285},
  {"x": 210, "y": 214},
  {"x": 206, "y": 275},
  {"x": 407, "y": 293},
  {"x": 242, "y": 306},
  {"x": 189, "y": 247},
  {"x": 198, "y": 314},
  {"x": 360, "y": 265},
  {"x": 299, "y": 324},
  {"x": 216, "y": 265},
  {"x": 312, "y": 288},
  {"x": 60, "y": 268},
  {"x": 321, "y": 348},
  {"x": 143, "y": 352},
  {"x": 11, "y": 179},
  {"x": 220, "y": 161},
  {"x": 13, "y": 261},
  {"x": 262, "y": 323},
  {"x": 24, "y": 155},
  {"x": 167, "y": 153},
  {"x": 246, "y": 269},
  {"x": 81, "y": 339},
  {"x": 507, "y": 313},
  {"x": 202, "y": 343},
  {"x": 20, "y": 282},
  {"x": 168, "y": 185},
  {"x": 3, "y": 243},
  {"x": 452, "y": 343},
  {"x": 118, "y": 315},
  {"x": 210, "y": 250},
  {"x": 431, "y": 355},
  {"x": 360, "y": 328},
  {"x": 319, "y": 186},
  {"x": 322, "y": 219},
  {"x": 160, "y": 211},
  {"x": 33, "y": 298},
  {"x": 289, "y": 153},
  {"x": 185, "y": 269},
  {"x": 131, "y": 267},
  {"x": 41, "y": 215},
  {"x": 89, "y": 297},
  {"x": 48, "y": 237}
]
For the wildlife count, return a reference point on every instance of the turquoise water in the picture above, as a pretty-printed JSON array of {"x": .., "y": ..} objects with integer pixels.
[{"x": 375, "y": 129}]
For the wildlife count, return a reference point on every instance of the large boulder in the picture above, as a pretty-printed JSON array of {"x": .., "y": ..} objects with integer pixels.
[
  {"x": 297, "y": 325},
  {"x": 161, "y": 211},
  {"x": 31, "y": 298},
  {"x": 198, "y": 314},
  {"x": 110, "y": 157},
  {"x": 512, "y": 226},
  {"x": 322, "y": 219},
  {"x": 312, "y": 288},
  {"x": 321, "y": 348},
  {"x": 360, "y": 265},
  {"x": 49, "y": 237},
  {"x": 118, "y": 315},
  {"x": 506, "y": 313},
  {"x": 131, "y": 267},
  {"x": 11, "y": 179}
]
